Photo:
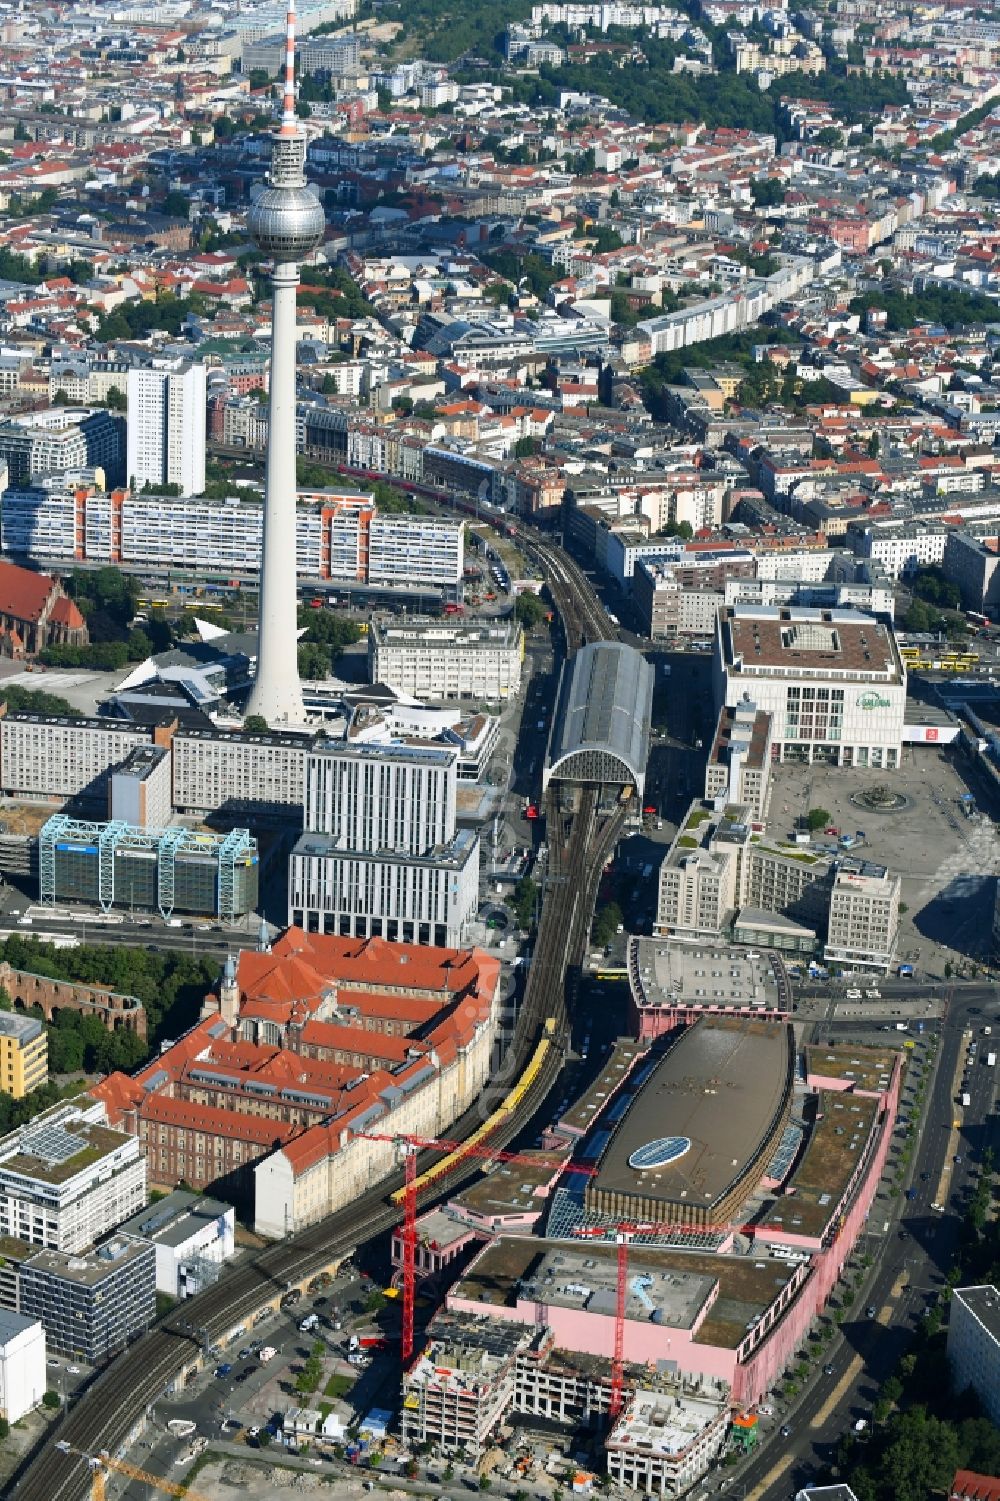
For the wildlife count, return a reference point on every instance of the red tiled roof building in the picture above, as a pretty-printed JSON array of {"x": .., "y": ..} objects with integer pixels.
[
  {"x": 305, "y": 1045},
  {"x": 34, "y": 613}
]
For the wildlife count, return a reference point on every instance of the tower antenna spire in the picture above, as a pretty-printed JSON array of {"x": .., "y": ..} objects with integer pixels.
[{"x": 289, "y": 121}]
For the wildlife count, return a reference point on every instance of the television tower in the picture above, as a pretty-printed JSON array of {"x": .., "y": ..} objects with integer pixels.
[{"x": 287, "y": 223}]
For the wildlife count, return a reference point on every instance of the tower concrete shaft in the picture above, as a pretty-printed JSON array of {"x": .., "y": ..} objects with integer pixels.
[
  {"x": 276, "y": 692},
  {"x": 287, "y": 222}
]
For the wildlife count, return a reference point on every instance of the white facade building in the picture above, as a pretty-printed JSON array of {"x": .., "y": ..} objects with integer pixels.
[
  {"x": 44, "y": 755},
  {"x": 22, "y": 1365},
  {"x": 381, "y": 855},
  {"x": 902, "y": 547},
  {"x": 66, "y": 1178},
  {"x": 341, "y": 538},
  {"x": 864, "y": 920},
  {"x": 166, "y": 425},
  {"x": 193, "y": 1237},
  {"x": 396, "y": 798},
  {"x": 428, "y": 898},
  {"x": 217, "y": 768},
  {"x": 832, "y": 680},
  {"x": 447, "y": 661},
  {"x": 974, "y": 1345}
]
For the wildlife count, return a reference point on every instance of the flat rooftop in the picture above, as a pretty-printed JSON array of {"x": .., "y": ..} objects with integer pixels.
[
  {"x": 90, "y": 1270},
  {"x": 471, "y": 1345},
  {"x": 748, "y": 1285},
  {"x": 512, "y": 1188},
  {"x": 446, "y": 635},
  {"x": 664, "y": 1422},
  {"x": 749, "y": 731},
  {"x": 581, "y": 1115},
  {"x": 834, "y": 1145},
  {"x": 984, "y": 1304},
  {"x": 826, "y": 642},
  {"x": 55, "y": 1152},
  {"x": 23, "y": 1028},
  {"x": 665, "y": 972},
  {"x": 440, "y": 1228},
  {"x": 869, "y": 1069},
  {"x": 173, "y": 1220},
  {"x": 13, "y": 1324}
]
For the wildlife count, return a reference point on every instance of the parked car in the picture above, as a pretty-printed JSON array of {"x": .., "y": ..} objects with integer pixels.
[{"x": 222, "y": 1371}]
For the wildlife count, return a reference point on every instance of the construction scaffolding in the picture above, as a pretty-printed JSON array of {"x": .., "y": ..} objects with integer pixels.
[{"x": 115, "y": 865}]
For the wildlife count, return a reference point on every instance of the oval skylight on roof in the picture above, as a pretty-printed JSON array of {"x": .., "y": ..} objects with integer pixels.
[{"x": 659, "y": 1153}]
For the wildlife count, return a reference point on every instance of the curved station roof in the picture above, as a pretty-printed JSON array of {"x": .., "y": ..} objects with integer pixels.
[{"x": 601, "y": 729}]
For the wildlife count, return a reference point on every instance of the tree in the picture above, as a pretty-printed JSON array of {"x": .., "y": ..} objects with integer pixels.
[
  {"x": 817, "y": 818},
  {"x": 36, "y": 701},
  {"x": 4, "y": 1429},
  {"x": 922, "y": 1457},
  {"x": 932, "y": 585},
  {"x": 61, "y": 399},
  {"x": 523, "y": 902},
  {"x": 375, "y": 1301},
  {"x": 485, "y": 1483},
  {"x": 264, "y": 1437},
  {"x": 256, "y": 724},
  {"x": 51, "y": 1400},
  {"x": 524, "y": 448},
  {"x": 313, "y": 661},
  {"x": 176, "y": 205},
  {"x": 529, "y": 609},
  {"x": 116, "y": 400},
  {"x": 606, "y": 923}
]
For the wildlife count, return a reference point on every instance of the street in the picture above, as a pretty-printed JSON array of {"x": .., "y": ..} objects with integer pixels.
[{"x": 912, "y": 1257}]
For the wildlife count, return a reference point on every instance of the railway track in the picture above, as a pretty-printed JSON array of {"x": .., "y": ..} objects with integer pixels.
[
  {"x": 583, "y": 616},
  {"x": 580, "y": 841},
  {"x": 107, "y": 1414}
]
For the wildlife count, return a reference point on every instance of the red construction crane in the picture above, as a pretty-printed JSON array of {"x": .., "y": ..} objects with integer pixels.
[
  {"x": 411, "y": 1145},
  {"x": 623, "y": 1233}
]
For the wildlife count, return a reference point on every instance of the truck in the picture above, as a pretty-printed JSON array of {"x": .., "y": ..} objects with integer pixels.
[
  {"x": 966, "y": 1099},
  {"x": 901, "y": 1027},
  {"x": 991, "y": 1059},
  {"x": 309, "y": 1323},
  {"x": 266, "y": 1354}
]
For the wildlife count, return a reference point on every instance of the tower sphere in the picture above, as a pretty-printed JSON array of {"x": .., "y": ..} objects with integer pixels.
[{"x": 287, "y": 223}]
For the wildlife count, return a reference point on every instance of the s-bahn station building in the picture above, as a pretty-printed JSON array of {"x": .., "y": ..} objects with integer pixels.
[{"x": 600, "y": 731}]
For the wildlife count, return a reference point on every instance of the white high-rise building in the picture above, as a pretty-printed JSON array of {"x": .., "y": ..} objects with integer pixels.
[
  {"x": 22, "y": 1365},
  {"x": 66, "y": 1179},
  {"x": 166, "y": 425},
  {"x": 397, "y": 798},
  {"x": 382, "y": 854}
]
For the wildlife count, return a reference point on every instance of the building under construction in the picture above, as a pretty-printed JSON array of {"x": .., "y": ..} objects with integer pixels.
[{"x": 116, "y": 865}]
